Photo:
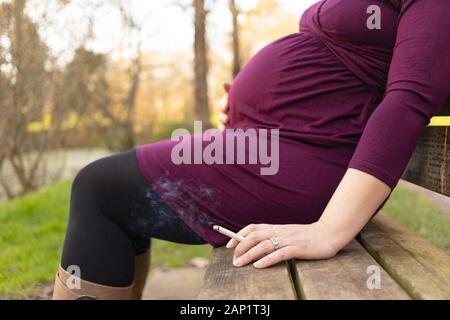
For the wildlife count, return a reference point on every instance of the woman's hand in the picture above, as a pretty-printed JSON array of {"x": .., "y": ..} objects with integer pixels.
[
  {"x": 311, "y": 242},
  {"x": 224, "y": 108},
  {"x": 354, "y": 202}
]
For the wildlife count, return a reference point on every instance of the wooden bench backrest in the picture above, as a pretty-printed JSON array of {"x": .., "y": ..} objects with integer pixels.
[{"x": 429, "y": 167}]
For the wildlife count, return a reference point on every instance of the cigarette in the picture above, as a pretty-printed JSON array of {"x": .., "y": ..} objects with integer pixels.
[{"x": 229, "y": 233}]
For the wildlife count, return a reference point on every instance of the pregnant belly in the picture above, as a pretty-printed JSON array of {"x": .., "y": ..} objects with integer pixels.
[{"x": 294, "y": 83}]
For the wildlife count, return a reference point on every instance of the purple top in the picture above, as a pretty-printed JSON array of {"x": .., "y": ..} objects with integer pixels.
[{"x": 343, "y": 96}]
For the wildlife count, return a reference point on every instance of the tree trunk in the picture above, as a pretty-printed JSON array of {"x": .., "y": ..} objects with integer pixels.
[
  {"x": 201, "y": 103},
  {"x": 130, "y": 103},
  {"x": 236, "y": 40}
]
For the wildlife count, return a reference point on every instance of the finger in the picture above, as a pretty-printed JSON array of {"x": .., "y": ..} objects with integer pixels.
[
  {"x": 259, "y": 251},
  {"x": 252, "y": 240},
  {"x": 223, "y": 118},
  {"x": 232, "y": 244},
  {"x": 226, "y": 106},
  {"x": 221, "y": 127},
  {"x": 223, "y": 105},
  {"x": 227, "y": 87},
  {"x": 245, "y": 232},
  {"x": 276, "y": 257}
]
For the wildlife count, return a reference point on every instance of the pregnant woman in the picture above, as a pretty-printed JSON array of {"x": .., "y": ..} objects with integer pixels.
[{"x": 350, "y": 94}]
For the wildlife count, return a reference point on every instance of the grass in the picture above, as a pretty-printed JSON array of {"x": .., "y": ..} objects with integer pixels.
[
  {"x": 32, "y": 231},
  {"x": 421, "y": 216},
  {"x": 31, "y": 236}
]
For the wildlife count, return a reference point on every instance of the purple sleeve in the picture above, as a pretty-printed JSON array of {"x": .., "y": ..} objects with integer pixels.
[{"x": 418, "y": 86}]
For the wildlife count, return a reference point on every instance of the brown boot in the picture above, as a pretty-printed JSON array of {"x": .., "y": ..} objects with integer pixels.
[
  {"x": 141, "y": 268},
  {"x": 88, "y": 290}
]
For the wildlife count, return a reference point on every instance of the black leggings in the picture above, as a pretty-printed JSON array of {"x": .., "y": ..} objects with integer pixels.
[{"x": 113, "y": 215}]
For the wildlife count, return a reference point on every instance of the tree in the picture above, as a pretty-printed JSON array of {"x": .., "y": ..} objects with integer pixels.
[
  {"x": 83, "y": 89},
  {"x": 121, "y": 113},
  {"x": 201, "y": 100},
  {"x": 26, "y": 84},
  {"x": 235, "y": 38},
  {"x": 277, "y": 23}
]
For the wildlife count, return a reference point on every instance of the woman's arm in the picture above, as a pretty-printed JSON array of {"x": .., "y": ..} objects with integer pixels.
[
  {"x": 354, "y": 202},
  {"x": 418, "y": 86}
]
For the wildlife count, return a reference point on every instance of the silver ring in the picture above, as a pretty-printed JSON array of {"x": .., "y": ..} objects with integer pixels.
[{"x": 275, "y": 243}]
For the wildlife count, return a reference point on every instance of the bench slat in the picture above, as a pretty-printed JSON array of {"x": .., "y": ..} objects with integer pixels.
[
  {"x": 422, "y": 269},
  {"x": 344, "y": 278},
  {"x": 224, "y": 282}
]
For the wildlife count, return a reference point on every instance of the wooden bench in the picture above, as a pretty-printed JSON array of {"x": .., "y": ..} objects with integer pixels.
[{"x": 409, "y": 266}]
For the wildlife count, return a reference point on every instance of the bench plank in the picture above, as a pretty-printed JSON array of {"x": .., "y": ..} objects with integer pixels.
[
  {"x": 419, "y": 267},
  {"x": 224, "y": 282},
  {"x": 344, "y": 277}
]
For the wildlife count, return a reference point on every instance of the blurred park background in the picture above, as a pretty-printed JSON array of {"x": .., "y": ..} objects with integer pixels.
[{"x": 81, "y": 79}]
